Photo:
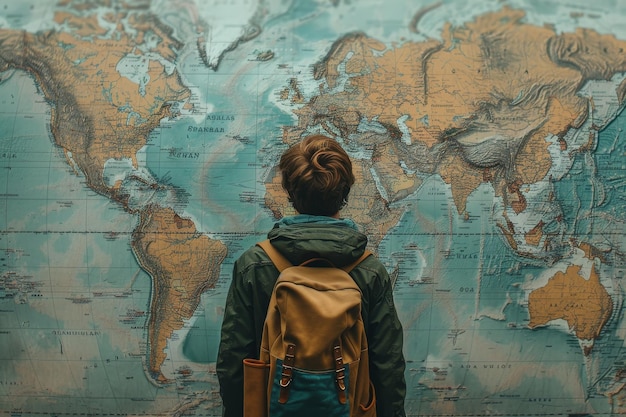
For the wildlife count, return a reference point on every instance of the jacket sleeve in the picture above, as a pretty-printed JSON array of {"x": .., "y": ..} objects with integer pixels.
[
  {"x": 237, "y": 343},
  {"x": 385, "y": 342}
]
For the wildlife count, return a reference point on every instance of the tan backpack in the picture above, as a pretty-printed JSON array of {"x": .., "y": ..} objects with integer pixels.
[{"x": 314, "y": 357}]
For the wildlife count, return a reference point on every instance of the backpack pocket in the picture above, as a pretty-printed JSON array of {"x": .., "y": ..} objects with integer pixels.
[
  {"x": 311, "y": 394},
  {"x": 255, "y": 374}
]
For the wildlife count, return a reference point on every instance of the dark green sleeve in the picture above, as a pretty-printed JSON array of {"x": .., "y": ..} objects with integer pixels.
[
  {"x": 237, "y": 343},
  {"x": 385, "y": 339}
]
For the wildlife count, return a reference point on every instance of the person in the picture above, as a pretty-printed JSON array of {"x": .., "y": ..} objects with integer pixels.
[{"x": 317, "y": 176}]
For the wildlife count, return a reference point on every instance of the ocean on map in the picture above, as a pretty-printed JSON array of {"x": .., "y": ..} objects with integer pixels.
[{"x": 79, "y": 298}]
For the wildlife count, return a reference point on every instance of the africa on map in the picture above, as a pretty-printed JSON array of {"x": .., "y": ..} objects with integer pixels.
[{"x": 138, "y": 151}]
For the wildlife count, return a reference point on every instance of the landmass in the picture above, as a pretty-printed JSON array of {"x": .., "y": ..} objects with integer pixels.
[
  {"x": 98, "y": 114},
  {"x": 583, "y": 303},
  {"x": 265, "y": 55},
  {"x": 213, "y": 60},
  {"x": 183, "y": 263},
  {"x": 475, "y": 107}
]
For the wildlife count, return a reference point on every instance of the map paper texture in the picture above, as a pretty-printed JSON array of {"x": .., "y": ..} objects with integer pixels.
[{"x": 138, "y": 149}]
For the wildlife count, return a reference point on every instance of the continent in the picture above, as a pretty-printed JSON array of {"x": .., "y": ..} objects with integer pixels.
[
  {"x": 97, "y": 113},
  {"x": 584, "y": 304},
  {"x": 475, "y": 107},
  {"x": 183, "y": 263},
  {"x": 109, "y": 88}
]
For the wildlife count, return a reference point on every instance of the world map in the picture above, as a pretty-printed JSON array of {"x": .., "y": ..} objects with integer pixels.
[{"x": 138, "y": 149}]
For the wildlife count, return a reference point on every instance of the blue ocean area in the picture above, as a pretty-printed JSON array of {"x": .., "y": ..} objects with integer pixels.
[
  {"x": 66, "y": 251},
  {"x": 75, "y": 305}
]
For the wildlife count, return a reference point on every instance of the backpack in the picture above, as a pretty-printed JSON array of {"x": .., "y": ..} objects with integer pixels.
[{"x": 314, "y": 349}]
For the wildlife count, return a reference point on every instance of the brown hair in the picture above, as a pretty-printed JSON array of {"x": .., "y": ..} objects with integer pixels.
[{"x": 317, "y": 175}]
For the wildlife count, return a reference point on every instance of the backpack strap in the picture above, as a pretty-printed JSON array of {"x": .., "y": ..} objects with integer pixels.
[
  {"x": 340, "y": 372},
  {"x": 353, "y": 265},
  {"x": 282, "y": 263}
]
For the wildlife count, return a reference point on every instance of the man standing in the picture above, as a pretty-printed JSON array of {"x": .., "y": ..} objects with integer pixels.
[{"x": 317, "y": 175}]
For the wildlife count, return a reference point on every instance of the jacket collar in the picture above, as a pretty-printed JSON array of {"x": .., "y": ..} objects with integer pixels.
[
  {"x": 336, "y": 240},
  {"x": 307, "y": 218}
]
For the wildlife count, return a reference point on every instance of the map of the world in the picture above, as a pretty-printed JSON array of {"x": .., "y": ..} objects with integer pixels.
[{"x": 138, "y": 149}]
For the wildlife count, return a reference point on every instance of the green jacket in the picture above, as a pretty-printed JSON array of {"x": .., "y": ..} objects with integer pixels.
[{"x": 253, "y": 280}]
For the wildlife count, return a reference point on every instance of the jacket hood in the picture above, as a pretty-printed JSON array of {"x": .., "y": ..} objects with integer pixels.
[{"x": 340, "y": 244}]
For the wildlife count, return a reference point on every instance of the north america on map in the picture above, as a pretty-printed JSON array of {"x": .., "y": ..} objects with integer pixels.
[{"x": 138, "y": 156}]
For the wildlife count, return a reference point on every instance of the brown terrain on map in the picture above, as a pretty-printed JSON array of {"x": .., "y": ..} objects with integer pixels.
[
  {"x": 583, "y": 303},
  {"x": 77, "y": 73},
  {"x": 79, "y": 77},
  {"x": 183, "y": 264},
  {"x": 478, "y": 105}
]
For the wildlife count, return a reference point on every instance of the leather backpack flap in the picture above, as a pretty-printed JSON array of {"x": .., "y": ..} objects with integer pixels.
[{"x": 319, "y": 307}]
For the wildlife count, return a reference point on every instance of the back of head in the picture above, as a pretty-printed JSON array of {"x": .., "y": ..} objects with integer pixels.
[{"x": 317, "y": 175}]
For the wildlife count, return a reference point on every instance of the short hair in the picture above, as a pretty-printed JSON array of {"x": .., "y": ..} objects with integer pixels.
[{"x": 317, "y": 175}]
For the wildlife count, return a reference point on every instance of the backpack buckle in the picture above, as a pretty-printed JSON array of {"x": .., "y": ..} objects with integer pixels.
[
  {"x": 287, "y": 373},
  {"x": 340, "y": 374}
]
